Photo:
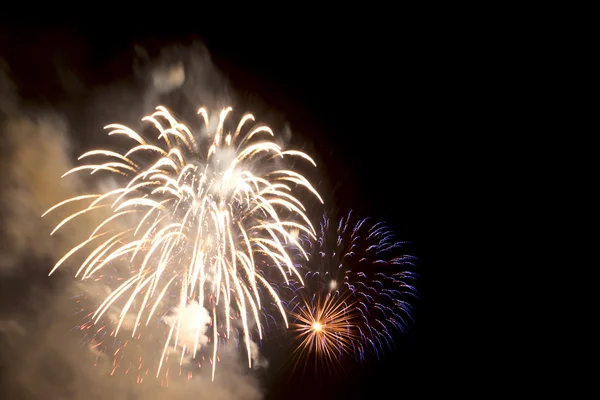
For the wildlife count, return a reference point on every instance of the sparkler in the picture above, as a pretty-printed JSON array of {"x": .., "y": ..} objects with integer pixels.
[
  {"x": 357, "y": 289},
  {"x": 189, "y": 216}
]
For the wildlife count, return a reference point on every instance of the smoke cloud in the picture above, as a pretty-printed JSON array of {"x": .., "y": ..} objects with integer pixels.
[{"x": 45, "y": 352}]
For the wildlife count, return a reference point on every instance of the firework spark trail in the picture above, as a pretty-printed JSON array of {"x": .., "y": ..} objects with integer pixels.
[
  {"x": 358, "y": 287},
  {"x": 193, "y": 212}
]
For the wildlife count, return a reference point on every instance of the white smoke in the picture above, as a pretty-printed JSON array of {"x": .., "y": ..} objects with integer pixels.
[
  {"x": 166, "y": 79},
  {"x": 257, "y": 360},
  {"x": 193, "y": 320}
]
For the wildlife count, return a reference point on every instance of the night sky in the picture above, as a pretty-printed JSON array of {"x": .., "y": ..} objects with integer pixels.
[{"x": 373, "y": 101}]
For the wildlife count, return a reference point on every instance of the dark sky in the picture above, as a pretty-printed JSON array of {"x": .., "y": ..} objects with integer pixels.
[{"x": 376, "y": 100}]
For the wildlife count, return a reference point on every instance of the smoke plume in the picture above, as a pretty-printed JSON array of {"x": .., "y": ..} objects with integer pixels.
[{"x": 45, "y": 352}]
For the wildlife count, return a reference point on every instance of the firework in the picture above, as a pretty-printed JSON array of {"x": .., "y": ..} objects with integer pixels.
[
  {"x": 189, "y": 215},
  {"x": 357, "y": 289}
]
